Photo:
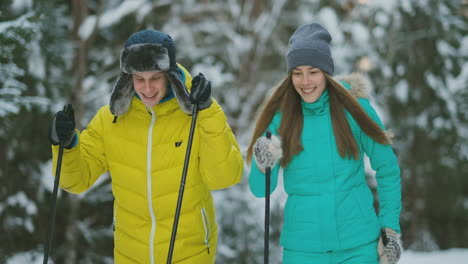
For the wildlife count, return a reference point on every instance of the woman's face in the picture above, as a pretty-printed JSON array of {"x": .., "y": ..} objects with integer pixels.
[
  {"x": 309, "y": 82},
  {"x": 150, "y": 86}
]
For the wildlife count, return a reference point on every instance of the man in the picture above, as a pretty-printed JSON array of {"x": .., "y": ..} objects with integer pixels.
[{"x": 141, "y": 139}]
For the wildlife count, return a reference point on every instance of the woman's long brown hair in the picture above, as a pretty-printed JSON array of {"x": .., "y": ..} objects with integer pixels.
[{"x": 288, "y": 101}]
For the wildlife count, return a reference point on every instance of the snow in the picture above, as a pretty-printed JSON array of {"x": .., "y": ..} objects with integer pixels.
[
  {"x": 113, "y": 16},
  {"x": 379, "y": 32},
  {"x": 331, "y": 22},
  {"x": 36, "y": 61},
  {"x": 19, "y": 200},
  {"x": 387, "y": 5},
  {"x": 27, "y": 257},
  {"x": 47, "y": 180},
  {"x": 382, "y": 18},
  {"x": 401, "y": 91},
  {"x": 450, "y": 256},
  {"x": 20, "y": 4},
  {"x": 360, "y": 31},
  {"x": 213, "y": 71},
  {"x": 449, "y": 98},
  {"x": 203, "y": 54}
]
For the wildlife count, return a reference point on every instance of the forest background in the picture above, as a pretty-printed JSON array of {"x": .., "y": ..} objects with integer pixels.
[{"x": 414, "y": 53}]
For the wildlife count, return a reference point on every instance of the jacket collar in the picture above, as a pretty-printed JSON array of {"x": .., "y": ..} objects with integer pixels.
[
  {"x": 161, "y": 109},
  {"x": 320, "y": 107}
]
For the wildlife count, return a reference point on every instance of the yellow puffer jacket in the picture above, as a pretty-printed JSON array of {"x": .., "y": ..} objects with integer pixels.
[{"x": 144, "y": 152}]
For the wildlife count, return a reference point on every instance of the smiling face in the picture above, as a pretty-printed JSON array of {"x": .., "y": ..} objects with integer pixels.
[
  {"x": 309, "y": 82},
  {"x": 150, "y": 86}
]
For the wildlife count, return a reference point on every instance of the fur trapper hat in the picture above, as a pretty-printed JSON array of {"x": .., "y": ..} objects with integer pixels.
[{"x": 147, "y": 50}]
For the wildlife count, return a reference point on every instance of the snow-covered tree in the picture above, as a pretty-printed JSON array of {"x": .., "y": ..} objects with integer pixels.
[
  {"x": 421, "y": 72},
  {"x": 25, "y": 109},
  {"x": 57, "y": 52}
]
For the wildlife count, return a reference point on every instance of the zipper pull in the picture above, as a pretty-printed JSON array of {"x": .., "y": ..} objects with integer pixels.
[{"x": 207, "y": 246}]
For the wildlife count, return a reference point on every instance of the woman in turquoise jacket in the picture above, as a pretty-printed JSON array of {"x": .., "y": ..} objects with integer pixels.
[{"x": 321, "y": 129}]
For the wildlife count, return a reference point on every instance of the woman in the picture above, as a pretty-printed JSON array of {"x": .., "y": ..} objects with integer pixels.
[
  {"x": 321, "y": 129},
  {"x": 140, "y": 138}
]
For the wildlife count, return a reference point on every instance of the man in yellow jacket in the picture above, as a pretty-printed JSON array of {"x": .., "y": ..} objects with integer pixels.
[{"x": 141, "y": 139}]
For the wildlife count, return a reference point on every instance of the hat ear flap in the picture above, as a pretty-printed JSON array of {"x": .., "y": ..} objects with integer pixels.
[
  {"x": 180, "y": 90},
  {"x": 122, "y": 95},
  {"x": 123, "y": 58}
]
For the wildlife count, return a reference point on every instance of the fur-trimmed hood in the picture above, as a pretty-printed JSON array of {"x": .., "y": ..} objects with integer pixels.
[
  {"x": 356, "y": 84},
  {"x": 147, "y": 50},
  {"x": 359, "y": 87}
]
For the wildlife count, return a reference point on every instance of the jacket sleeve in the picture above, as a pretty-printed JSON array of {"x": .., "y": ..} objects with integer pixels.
[
  {"x": 257, "y": 180},
  {"x": 85, "y": 162},
  {"x": 221, "y": 162},
  {"x": 384, "y": 162}
]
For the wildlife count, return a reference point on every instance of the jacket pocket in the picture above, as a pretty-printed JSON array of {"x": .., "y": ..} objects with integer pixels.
[{"x": 206, "y": 226}]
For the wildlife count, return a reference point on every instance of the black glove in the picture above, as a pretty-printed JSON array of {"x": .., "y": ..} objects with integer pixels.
[
  {"x": 201, "y": 92},
  {"x": 62, "y": 127}
]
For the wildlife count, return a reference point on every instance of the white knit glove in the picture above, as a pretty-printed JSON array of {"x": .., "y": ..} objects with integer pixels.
[
  {"x": 389, "y": 247},
  {"x": 267, "y": 152}
]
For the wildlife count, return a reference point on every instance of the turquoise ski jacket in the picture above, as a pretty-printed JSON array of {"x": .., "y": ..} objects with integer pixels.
[{"x": 329, "y": 205}]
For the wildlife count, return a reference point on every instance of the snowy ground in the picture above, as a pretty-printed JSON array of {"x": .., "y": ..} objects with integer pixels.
[{"x": 451, "y": 256}]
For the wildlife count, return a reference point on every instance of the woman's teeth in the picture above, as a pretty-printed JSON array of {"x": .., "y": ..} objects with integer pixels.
[{"x": 308, "y": 90}]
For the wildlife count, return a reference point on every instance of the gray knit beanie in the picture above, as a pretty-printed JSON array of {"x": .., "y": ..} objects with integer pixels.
[{"x": 310, "y": 45}]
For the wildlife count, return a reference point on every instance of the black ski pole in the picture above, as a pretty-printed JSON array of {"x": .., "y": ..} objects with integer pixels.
[
  {"x": 267, "y": 206},
  {"x": 182, "y": 183},
  {"x": 52, "y": 206},
  {"x": 384, "y": 237}
]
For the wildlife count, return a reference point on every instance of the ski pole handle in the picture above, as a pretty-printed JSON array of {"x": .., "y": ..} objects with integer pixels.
[{"x": 384, "y": 237}]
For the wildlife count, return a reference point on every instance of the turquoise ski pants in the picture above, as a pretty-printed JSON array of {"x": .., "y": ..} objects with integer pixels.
[{"x": 365, "y": 254}]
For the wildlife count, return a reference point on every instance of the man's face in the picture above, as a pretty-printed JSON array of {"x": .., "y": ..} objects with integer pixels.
[{"x": 150, "y": 86}]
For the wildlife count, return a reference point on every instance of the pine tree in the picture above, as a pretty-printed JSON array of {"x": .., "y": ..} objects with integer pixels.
[
  {"x": 424, "y": 73},
  {"x": 69, "y": 52},
  {"x": 25, "y": 90}
]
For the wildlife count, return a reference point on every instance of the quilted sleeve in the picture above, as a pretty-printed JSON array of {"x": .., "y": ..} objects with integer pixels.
[
  {"x": 384, "y": 162},
  {"x": 257, "y": 180},
  {"x": 84, "y": 163},
  {"x": 221, "y": 162}
]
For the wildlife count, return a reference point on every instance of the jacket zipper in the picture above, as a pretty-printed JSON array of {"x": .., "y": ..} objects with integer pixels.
[
  {"x": 148, "y": 175},
  {"x": 115, "y": 216},
  {"x": 207, "y": 229}
]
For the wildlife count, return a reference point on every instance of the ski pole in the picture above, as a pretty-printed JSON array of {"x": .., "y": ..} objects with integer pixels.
[
  {"x": 182, "y": 183},
  {"x": 53, "y": 202},
  {"x": 267, "y": 206},
  {"x": 384, "y": 237}
]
